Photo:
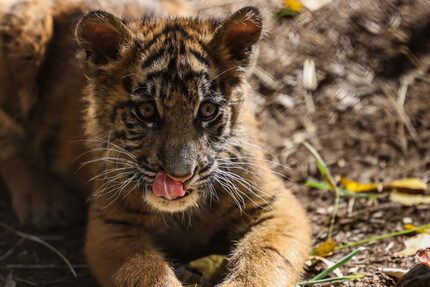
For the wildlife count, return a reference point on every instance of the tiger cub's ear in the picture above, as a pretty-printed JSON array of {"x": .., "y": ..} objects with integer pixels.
[
  {"x": 236, "y": 35},
  {"x": 102, "y": 35}
]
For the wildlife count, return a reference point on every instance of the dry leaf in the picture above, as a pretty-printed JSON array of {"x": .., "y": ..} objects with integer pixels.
[
  {"x": 407, "y": 185},
  {"x": 314, "y": 5},
  {"x": 395, "y": 273},
  {"x": 413, "y": 227},
  {"x": 329, "y": 264},
  {"x": 413, "y": 244},
  {"x": 355, "y": 186},
  {"x": 309, "y": 75},
  {"x": 409, "y": 199},
  {"x": 325, "y": 248},
  {"x": 209, "y": 265},
  {"x": 294, "y": 5},
  {"x": 409, "y": 226},
  {"x": 423, "y": 256},
  {"x": 291, "y": 8}
]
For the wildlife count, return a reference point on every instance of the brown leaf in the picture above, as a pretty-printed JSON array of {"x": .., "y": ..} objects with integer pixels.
[
  {"x": 325, "y": 248},
  {"x": 423, "y": 255},
  {"x": 418, "y": 242},
  {"x": 409, "y": 199},
  {"x": 407, "y": 185},
  {"x": 355, "y": 186},
  {"x": 294, "y": 5},
  {"x": 209, "y": 265}
]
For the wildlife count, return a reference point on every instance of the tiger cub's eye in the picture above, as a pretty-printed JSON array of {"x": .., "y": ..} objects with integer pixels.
[
  {"x": 208, "y": 111},
  {"x": 145, "y": 111}
]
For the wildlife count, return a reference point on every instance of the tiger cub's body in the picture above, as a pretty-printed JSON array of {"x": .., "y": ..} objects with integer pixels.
[{"x": 175, "y": 156}]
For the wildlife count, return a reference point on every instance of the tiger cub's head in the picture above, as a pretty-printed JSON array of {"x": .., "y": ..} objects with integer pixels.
[{"x": 163, "y": 101}]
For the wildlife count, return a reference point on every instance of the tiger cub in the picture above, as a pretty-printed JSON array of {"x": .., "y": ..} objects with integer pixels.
[{"x": 177, "y": 165}]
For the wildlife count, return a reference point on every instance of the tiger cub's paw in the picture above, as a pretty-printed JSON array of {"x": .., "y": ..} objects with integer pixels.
[
  {"x": 234, "y": 283},
  {"x": 45, "y": 204},
  {"x": 169, "y": 282},
  {"x": 146, "y": 280},
  {"x": 230, "y": 284}
]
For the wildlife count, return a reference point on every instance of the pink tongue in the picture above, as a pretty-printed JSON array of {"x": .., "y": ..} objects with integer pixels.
[{"x": 167, "y": 187}]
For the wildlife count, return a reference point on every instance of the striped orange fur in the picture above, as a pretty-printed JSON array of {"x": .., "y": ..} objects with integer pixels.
[{"x": 170, "y": 96}]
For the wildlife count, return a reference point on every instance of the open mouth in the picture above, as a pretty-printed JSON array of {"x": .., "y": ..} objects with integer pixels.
[
  {"x": 170, "y": 195},
  {"x": 169, "y": 188}
]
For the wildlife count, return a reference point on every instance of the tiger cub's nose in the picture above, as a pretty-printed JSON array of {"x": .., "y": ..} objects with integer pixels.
[
  {"x": 179, "y": 178},
  {"x": 180, "y": 172}
]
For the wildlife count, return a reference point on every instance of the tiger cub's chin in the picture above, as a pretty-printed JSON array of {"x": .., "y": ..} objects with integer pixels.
[{"x": 178, "y": 204}]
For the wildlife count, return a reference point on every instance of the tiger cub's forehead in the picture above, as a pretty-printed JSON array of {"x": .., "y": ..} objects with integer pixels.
[{"x": 175, "y": 61}]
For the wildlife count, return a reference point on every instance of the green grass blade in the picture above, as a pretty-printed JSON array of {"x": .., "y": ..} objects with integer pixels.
[
  {"x": 383, "y": 236},
  {"x": 344, "y": 192},
  {"x": 339, "y": 264},
  {"x": 328, "y": 178},
  {"x": 331, "y": 280}
]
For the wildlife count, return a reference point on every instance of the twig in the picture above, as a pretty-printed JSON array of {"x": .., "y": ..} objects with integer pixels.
[
  {"x": 28, "y": 282},
  {"x": 331, "y": 280},
  {"x": 309, "y": 102},
  {"x": 414, "y": 165},
  {"x": 267, "y": 78},
  {"x": 384, "y": 236},
  {"x": 400, "y": 109},
  {"x": 36, "y": 239},
  {"x": 11, "y": 250}
]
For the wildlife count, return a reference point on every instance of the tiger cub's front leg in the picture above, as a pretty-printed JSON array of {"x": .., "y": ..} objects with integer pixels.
[
  {"x": 121, "y": 255},
  {"x": 273, "y": 251}
]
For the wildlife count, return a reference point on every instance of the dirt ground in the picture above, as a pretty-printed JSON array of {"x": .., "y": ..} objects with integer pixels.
[{"x": 365, "y": 54}]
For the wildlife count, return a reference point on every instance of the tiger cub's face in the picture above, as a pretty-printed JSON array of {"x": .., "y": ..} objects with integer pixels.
[{"x": 163, "y": 101}]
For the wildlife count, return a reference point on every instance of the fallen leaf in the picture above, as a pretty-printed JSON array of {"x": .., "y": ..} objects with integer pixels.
[
  {"x": 309, "y": 75},
  {"x": 407, "y": 185},
  {"x": 294, "y": 5},
  {"x": 423, "y": 256},
  {"x": 209, "y": 265},
  {"x": 325, "y": 248},
  {"x": 355, "y": 186},
  {"x": 329, "y": 264},
  {"x": 409, "y": 199},
  {"x": 314, "y": 5},
  {"x": 409, "y": 226},
  {"x": 413, "y": 244},
  {"x": 395, "y": 273},
  {"x": 413, "y": 227},
  {"x": 291, "y": 8}
]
